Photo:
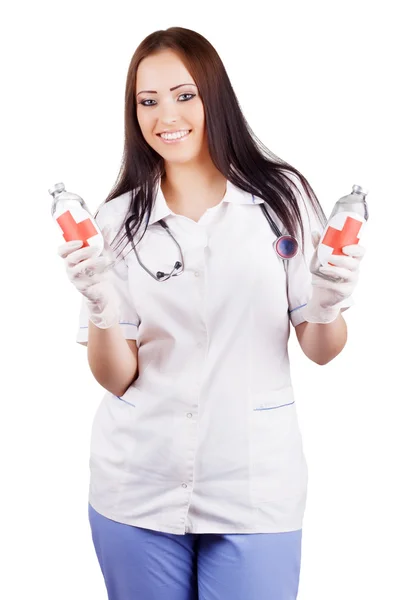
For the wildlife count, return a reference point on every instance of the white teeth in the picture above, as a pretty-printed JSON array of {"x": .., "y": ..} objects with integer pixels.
[{"x": 174, "y": 136}]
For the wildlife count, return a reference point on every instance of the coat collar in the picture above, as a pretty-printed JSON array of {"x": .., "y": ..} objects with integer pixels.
[{"x": 233, "y": 194}]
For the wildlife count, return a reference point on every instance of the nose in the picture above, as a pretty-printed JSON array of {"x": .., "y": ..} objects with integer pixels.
[{"x": 169, "y": 113}]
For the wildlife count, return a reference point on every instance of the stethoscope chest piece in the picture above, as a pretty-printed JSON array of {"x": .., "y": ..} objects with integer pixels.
[{"x": 286, "y": 246}]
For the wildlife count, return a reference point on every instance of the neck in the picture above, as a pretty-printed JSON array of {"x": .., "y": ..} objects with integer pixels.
[{"x": 186, "y": 186}]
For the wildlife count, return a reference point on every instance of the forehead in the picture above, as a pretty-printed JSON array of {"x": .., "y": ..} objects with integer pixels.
[{"x": 161, "y": 70}]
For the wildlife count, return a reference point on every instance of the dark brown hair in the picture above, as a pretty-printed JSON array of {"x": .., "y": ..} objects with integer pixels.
[{"x": 234, "y": 149}]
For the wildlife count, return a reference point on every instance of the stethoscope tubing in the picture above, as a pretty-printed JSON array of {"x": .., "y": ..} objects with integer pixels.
[{"x": 286, "y": 246}]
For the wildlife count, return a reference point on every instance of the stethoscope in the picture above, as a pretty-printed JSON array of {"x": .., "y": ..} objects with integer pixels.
[{"x": 286, "y": 247}]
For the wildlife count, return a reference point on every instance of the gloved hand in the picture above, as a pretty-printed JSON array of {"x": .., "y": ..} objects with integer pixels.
[
  {"x": 92, "y": 276},
  {"x": 331, "y": 285}
]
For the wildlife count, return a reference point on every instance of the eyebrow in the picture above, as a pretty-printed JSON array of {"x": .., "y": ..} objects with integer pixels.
[{"x": 170, "y": 89}]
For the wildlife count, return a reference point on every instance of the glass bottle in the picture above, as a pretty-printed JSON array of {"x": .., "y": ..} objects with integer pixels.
[
  {"x": 74, "y": 219},
  {"x": 345, "y": 226}
]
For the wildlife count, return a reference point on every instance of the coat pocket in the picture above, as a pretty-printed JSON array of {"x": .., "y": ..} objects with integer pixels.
[
  {"x": 113, "y": 433},
  {"x": 277, "y": 460}
]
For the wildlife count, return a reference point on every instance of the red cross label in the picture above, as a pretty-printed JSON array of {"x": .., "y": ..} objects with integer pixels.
[
  {"x": 77, "y": 224},
  {"x": 344, "y": 229}
]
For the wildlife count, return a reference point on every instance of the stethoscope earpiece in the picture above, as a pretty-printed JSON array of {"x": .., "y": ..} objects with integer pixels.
[{"x": 161, "y": 274}]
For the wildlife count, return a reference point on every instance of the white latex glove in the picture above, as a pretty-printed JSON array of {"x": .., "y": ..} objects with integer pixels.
[
  {"x": 331, "y": 285},
  {"x": 92, "y": 276}
]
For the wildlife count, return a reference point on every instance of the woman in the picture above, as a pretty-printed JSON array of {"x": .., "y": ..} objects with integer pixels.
[{"x": 198, "y": 477}]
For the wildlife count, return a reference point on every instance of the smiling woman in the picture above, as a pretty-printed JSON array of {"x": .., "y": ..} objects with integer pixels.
[{"x": 201, "y": 456}]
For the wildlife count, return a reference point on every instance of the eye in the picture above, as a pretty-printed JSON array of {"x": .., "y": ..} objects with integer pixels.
[
  {"x": 186, "y": 100},
  {"x": 192, "y": 96},
  {"x": 144, "y": 102}
]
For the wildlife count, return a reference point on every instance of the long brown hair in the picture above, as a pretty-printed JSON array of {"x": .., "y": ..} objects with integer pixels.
[{"x": 234, "y": 149}]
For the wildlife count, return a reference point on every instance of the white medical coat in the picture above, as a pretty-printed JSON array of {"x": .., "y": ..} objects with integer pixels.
[{"x": 206, "y": 440}]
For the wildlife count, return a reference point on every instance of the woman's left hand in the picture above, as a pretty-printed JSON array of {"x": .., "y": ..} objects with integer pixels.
[{"x": 331, "y": 285}]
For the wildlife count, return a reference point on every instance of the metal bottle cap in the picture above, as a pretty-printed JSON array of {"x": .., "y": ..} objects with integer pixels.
[
  {"x": 358, "y": 189},
  {"x": 58, "y": 187}
]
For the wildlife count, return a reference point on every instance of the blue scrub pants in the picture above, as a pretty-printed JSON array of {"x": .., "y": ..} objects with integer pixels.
[{"x": 141, "y": 564}]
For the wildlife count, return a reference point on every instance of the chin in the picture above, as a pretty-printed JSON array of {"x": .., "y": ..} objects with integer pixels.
[{"x": 180, "y": 160}]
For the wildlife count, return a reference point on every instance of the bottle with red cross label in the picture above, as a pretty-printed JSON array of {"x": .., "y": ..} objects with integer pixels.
[
  {"x": 345, "y": 225},
  {"x": 74, "y": 219}
]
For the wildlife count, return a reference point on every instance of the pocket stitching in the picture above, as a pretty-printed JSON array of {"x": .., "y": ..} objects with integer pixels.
[{"x": 258, "y": 405}]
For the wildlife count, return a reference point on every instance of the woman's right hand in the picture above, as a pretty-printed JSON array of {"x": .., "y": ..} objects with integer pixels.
[{"x": 90, "y": 274}]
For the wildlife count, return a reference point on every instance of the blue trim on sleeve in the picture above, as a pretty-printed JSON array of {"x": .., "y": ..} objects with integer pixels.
[
  {"x": 293, "y": 309},
  {"x": 120, "y": 323},
  {"x": 130, "y": 404}
]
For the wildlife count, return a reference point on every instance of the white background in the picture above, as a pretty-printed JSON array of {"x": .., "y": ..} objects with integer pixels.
[{"x": 327, "y": 86}]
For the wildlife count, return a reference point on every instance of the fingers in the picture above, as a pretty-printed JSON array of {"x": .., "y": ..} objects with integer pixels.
[
  {"x": 345, "y": 262},
  {"x": 335, "y": 291},
  {"x": 65, "y": 249},
  {"x": 315, "y": 238},
  {"x": 334, "y": 276},
  {"x": 78, "y": 255},
  {"x": 355, "y": 250},
  {"x": 337, "y": 274},
  {"x": 350, "y": 259},
  {"x": 87, "y": 268},
  {"x": 341, "y": 276},
  {"x": 73, "y": 246}
]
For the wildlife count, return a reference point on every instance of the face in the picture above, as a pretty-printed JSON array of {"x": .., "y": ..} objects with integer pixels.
[{"x": 168, "y": 101}]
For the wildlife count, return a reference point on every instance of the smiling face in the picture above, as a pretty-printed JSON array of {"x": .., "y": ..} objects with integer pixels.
[{"x": 168, "y": 101}]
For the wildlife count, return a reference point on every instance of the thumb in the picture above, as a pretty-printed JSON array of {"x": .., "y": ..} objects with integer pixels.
[
  {"x": 315, "y": 238},
  {"x": 107, "y": 233}
]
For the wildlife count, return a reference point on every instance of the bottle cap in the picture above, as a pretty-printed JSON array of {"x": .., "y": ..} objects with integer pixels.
[
  {"x": 358, "y": 189},
  {"x": 58, "y": 187}
]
